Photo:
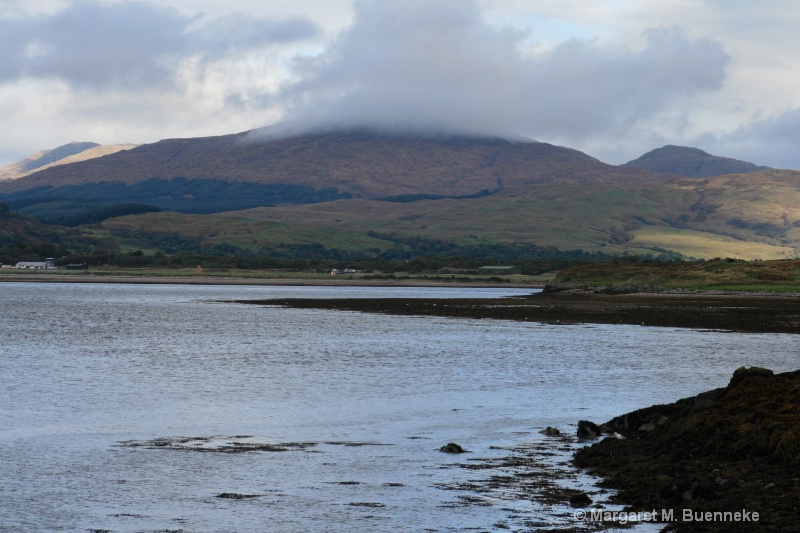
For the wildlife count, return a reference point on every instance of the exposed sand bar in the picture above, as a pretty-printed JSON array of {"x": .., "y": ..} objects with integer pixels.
[{"x": 761, "y": 312}]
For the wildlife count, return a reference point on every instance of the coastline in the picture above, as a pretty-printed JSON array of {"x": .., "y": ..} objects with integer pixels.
[
  {"x": 199, "y": 279},
  {"x": 746, "y": 312},
  {"x": 725, "y": 460},
  {"x": 755, "y": 312}
]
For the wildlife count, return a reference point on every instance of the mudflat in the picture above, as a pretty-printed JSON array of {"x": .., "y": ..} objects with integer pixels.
[{"x": 751, "y": 312}]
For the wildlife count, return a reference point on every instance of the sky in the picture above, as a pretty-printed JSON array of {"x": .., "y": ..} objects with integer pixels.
[{"x": 612, "y": 78}]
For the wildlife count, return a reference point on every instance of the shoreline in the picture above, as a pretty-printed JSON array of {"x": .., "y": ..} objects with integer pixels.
[
  {"x": 755, "y": 312},
  {"x": 246, "y": 280},
  {"x": 759, "y": 313},
  {"x": 731, "y": 454}
]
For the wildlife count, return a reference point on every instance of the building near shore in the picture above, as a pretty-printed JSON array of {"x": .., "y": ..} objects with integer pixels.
[{"x": 47, "y": 264}]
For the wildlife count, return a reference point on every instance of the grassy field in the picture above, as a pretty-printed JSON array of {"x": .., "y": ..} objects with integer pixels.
[
  {"x": 727, "y": 275},
  {"x": 705, "y": 245}
]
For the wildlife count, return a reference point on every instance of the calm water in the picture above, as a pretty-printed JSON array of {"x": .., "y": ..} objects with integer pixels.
[{"x": 90, "y": 375}]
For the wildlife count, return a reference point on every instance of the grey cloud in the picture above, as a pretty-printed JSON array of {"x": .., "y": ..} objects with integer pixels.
[
  {"x": 239, "y": 31},
  {"x": 771, "y": 141},
  {"x": 436, "y": 65},
  {"x": 128, "y": 44}
]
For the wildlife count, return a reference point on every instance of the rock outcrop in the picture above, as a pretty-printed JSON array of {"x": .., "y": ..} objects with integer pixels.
[{"x": 730, "y": 449}]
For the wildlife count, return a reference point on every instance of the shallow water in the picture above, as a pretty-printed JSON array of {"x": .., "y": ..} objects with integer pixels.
[{"x": 101, "y": 384}]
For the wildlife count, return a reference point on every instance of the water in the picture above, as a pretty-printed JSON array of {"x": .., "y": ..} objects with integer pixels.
[{"x": 93, "y": 376}]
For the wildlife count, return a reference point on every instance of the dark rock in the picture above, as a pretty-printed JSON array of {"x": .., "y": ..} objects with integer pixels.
[
  {"x": 550, "y": 432},
  {"x": 366, "y": 504},
  {"x": 236, "y": 496},
  {"x": 452, "y": 447},
  {"x": 580, "y": 500},
  {"x": 744, "y": 372},
  {"x": 588, "y": 430},
  {"x": 718, "y": 450}
]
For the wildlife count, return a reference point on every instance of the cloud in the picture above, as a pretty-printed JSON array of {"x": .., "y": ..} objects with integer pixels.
[
  {"x": 127, "y": 45},
  {"x": 436, "y": 65},
  {"x": 240, "y": 32},
  {"x": 771, "y": 141}
]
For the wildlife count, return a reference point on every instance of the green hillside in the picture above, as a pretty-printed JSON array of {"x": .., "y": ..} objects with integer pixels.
[
  {"x": 359, "y": 193},
  {"x": 635, "y": 220}
]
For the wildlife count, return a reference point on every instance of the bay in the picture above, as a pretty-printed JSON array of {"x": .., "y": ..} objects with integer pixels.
[{"x": 120, "y": 405}]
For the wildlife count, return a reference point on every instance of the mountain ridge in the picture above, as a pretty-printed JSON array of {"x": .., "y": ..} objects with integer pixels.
[
  {"x": 73, "y": 152},
  {"x": 349, "y": 190},
  {"x": 690, "y": 162},
  {"x": 360, "y": 163}
]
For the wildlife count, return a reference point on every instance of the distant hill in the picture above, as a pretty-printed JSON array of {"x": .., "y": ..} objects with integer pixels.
[
  {"x": 357, "y": 192},
  {"x": 690, "y": 162},
  {"x": 66, "y": 154},
  {"x": 361, "y": 164}
]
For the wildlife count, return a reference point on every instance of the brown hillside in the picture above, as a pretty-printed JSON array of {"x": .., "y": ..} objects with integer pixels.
[
  {"x": 690, "y": 162},
  {"x": 363, "y": 164},
  {"x": 42, "y": 159}
]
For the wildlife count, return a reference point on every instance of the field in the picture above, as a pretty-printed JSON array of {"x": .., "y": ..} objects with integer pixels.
[{"x": 727, "y": 275}]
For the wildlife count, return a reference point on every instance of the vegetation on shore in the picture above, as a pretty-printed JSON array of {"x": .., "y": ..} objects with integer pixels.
[
  {"x": 376, "y": 255},
  {"x": 716, "y": 274}
]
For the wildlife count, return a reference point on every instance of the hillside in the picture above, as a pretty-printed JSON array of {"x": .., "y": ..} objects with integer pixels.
[
  {"x": 364, "y": 192},
  {"x": 43, "y": 158},
  {"x": 690, "y": 162},
  {"x": 23, "y": 239},
  {"x": 362, "y": 164},
  {"x": 63, "y": 155}
]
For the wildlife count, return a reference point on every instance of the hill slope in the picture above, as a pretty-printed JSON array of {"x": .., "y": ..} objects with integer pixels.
[
  {"x": 359, "y": 163},
  {"x": 366, "y": 192},
  {"x": 690, "y": 162},
  {"x": 63, "y": 155}
]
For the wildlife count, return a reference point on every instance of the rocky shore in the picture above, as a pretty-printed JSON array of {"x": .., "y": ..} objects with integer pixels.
[
  {"x": 762, "y": 312},
  {"x": 727, "y": 460}
]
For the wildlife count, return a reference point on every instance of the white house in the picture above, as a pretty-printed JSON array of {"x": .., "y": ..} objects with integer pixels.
[{"x": 48, "y": 264}]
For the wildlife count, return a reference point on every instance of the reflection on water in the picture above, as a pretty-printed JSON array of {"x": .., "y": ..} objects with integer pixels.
[{"x": 321, "y": 420}]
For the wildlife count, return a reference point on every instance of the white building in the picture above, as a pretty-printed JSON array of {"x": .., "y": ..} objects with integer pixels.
[{"x": 48, "y": 264}]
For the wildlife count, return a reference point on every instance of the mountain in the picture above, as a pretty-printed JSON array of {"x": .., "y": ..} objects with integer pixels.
[
  {"x": 358, "y": 192},
  {"x": 362, "y": 164},
  {"x": 63, "y": 155},
  {"x": 690, "y": 162}
]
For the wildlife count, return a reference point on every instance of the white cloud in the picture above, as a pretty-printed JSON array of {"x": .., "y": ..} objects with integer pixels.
[
  {"x": 438, "y": 65},
  {"x": 615, "y": 78}
]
